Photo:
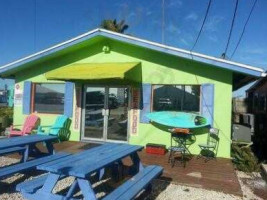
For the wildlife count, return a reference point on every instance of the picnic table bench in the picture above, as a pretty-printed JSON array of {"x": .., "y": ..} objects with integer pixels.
[
  {"x": 86, "y": 163},
  {"x": 26, "y": 145}
]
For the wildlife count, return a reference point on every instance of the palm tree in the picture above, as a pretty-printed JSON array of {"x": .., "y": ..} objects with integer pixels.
[{"x": 112, "y": 25}]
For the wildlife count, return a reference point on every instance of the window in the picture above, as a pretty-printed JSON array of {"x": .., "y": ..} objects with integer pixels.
[
  {"x": 48, "y": 98},
  {"x": 176, "y": 98}
]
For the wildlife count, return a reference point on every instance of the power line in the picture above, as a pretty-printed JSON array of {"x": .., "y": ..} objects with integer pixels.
[
  {"x": 34, "y": 24},
  {"x": 163, "y": 22},
  {"x": 231, "y": 30},
  {"x": 244, "y": 28},
  {"x": 202, "y": 25}
]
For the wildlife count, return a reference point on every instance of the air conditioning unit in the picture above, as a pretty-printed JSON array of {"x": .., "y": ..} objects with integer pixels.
[{"x": 241, "y": 133}]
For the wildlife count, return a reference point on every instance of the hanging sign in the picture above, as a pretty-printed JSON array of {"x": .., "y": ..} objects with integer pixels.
[
  {"x": 135, "y": 101},
  {"x": 18, "y": 95}
]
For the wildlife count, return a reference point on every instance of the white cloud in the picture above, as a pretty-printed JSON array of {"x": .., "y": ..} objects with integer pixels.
[
  {"x": 184, "y": 41},
  {"x": 187, "y": 40},
  {"x": 213, "y": 37},
  {"x": 253, "y": 50},
  {"x": 213, "y": 23},
  {"x": 192, "y": 16},
  {"x": 149, "y": 12},
  {"x": 171, "y": 28},
  {"x": 175, "y": 3},
  {"x": 132, "y": 14}
]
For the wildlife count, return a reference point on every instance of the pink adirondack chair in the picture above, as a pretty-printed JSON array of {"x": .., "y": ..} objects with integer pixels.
[{"x": 30, "y": 123}]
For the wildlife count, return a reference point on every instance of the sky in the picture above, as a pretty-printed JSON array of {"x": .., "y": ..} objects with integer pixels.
[{"x": 29, "y": 26}]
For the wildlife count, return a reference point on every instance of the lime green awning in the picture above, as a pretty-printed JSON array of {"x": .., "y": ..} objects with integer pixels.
[{"x": 97, "y": 71}]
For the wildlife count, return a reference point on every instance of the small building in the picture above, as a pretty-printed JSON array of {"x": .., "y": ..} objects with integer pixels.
[
  {"x": 257, "y": 97},
  {"x": 257, "y": 105},
  {"x": 107, "y": 82}
]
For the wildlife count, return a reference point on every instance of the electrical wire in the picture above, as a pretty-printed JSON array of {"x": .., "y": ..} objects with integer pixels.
[
  {"x": 244, "y": 28},
  {"x": 163, "y": 22},
  {"x": 203, "y": 98},
  {"x": 34, "y": 29},
  {"x": 231, "y": 30},
  {"x": 202, "y": 25}
]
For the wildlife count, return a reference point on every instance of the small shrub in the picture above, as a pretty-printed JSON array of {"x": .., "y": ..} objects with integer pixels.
[
  {"x": 6, "y": 116},
  {"x": 244, "y": 159},
  {"x": 6, "y": 111}
]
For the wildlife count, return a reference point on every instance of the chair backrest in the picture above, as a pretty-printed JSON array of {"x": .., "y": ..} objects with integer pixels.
[
  {"x": 213, "y": 137},
  {"x": 30, "y": 123},
  {"x": 60, "y": 123}
]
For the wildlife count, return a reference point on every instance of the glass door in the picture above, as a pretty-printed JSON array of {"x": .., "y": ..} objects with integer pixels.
[
  {"x": 94, "y": 118},
  {"x": 105, "y": 113},
  {"x": 117, "y": 128}
]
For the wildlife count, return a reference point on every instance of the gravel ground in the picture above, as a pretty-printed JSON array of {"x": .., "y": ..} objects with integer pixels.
[
  {"x": 252, "y": 185},
  {"x": 173, "y": 191}
]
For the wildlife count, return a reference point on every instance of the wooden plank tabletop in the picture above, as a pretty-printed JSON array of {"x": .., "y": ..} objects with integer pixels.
[
  {"x": 24, "y": 140},
  {"x": 86, "y": 162}
]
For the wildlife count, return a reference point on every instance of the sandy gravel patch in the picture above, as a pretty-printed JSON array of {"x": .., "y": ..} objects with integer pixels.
[{"x": 253, "y": 187}]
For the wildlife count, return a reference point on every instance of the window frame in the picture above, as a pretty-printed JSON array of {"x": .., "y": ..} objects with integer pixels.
[
  {"x": 33, "y": 90},
  {"x": 152, "y": 96}
]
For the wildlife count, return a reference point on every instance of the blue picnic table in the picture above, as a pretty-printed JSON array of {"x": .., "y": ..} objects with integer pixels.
[
  {"x": 86, "y": 163},
  {"x": 26, "y": 145}
]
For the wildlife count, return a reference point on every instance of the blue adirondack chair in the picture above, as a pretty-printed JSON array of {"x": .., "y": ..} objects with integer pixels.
[{"x": 60, "y": 128}]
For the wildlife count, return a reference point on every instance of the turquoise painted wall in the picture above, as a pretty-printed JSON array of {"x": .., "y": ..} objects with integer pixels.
[{"x": 157, "y": 68}]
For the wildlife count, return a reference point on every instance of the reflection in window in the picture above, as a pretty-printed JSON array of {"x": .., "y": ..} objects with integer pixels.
[
  {"x": 176, "y": 98},
  {"x": 49, "y": 98}
]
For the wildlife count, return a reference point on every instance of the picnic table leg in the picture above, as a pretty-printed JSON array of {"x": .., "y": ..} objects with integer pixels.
[
  {"x": 101, "y": 173},
  {"x": 34, "y": 151},
  {"x": 25, "y": 155},
  {"x": 86, "y": 189},
  {"x": 50, "y": 147},
  {"x": 50, "y": 183},
  {"x": 117, "y": 170},
  {"x": 72, "y": 189},
  {"x": 137, "y": 165}
]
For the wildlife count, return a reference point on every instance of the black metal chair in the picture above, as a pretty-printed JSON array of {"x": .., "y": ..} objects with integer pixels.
[
  {"x": 179, "y": 146},
  {"x": 209, "y": 150}
]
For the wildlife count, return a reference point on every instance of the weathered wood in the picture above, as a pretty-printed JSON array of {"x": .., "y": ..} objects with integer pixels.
[
  {"x": 136, "y": 184},
  {"x": 7, "y": 171},
  {"x": 33, "y": 185},
  {"x": 216, "y": 175},
  {"x": 12, "y": 150},
  {"x": 55, "y": 166},
  {"x": 24, "y": 140},
  {"x": 83, "y": 164}
]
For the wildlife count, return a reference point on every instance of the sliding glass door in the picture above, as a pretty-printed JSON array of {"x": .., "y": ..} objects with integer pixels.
[
  {"x": 118, "y": 114},
  {"x": 105, "y": 113},
  {"x": 93, "y": 119}
]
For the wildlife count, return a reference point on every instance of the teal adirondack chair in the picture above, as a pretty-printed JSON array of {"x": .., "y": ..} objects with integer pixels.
[{"x": 60, "y": 128}]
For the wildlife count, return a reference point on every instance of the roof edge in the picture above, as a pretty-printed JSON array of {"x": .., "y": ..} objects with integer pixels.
[
  {"x": 241, "y": 68},
  {"x": 183, "y": 50}
]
